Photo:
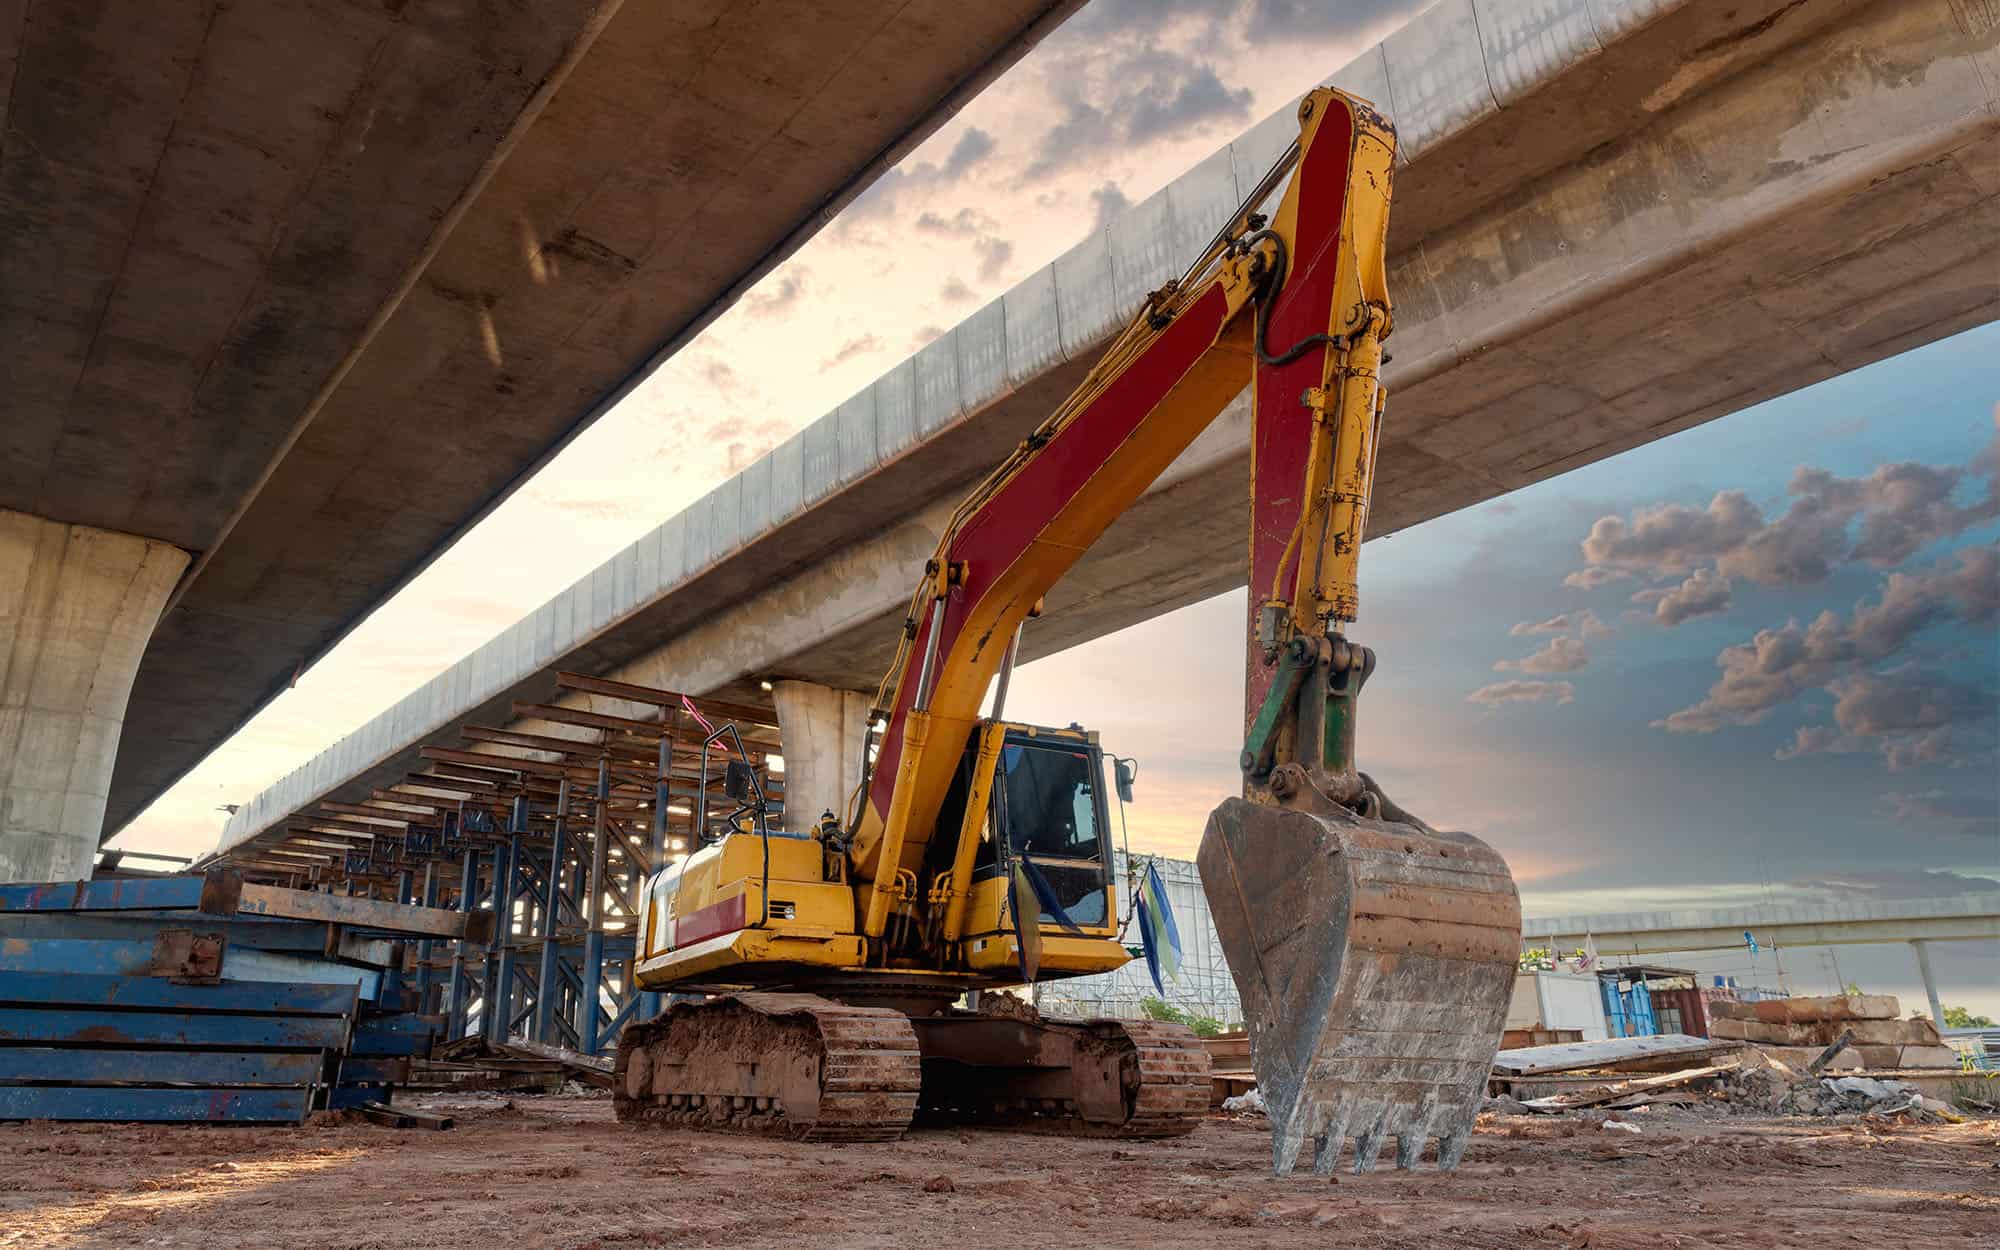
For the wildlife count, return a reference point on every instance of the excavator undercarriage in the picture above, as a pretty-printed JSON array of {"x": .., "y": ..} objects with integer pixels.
[{"x": 810, "y": 1068}]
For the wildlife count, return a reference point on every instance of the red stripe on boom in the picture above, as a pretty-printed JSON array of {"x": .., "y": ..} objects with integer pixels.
[{"x": 993, "y": 538}]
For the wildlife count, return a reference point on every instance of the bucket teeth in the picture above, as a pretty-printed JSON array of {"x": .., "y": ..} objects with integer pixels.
[{"x": 1375, "y": 960}]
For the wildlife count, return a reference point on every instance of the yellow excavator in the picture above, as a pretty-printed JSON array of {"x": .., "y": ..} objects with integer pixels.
[{"x": 817, "y": 972}]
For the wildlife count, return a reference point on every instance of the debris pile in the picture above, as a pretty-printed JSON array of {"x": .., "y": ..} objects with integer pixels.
[
  {"x": 514, "y": 1066},
  {"x": 1766, "y": 1089},
  {"x": 1797, "y": 1030}
]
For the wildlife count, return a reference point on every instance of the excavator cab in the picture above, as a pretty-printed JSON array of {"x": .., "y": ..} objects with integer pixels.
[
  {"x": 1039, "y": 799},
  {"x": 1048, "y": 808}
]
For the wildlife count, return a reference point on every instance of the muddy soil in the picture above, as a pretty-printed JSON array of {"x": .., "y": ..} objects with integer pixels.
[{"x": 560, "y": 1173}]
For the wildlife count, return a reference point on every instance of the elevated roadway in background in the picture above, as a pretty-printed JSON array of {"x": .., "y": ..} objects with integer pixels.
[
  {"x": 1966, "y": 918},
  {"x": 1615, "y": 219},
  {"x": 1971, "y": 917},
  {"x": 293, "y": 292}
]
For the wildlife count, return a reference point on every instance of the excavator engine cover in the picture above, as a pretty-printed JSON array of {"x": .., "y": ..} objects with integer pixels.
[{"x": 1375, "y": 960}]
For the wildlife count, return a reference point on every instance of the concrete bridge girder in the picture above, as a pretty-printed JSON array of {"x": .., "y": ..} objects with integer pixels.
[{"x": 1711, "y": 208}]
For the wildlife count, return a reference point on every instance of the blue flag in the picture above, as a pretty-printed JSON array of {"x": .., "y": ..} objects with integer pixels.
[
  {"x": 1751, "y": 942},
  {"x": 1157, "y": 930}
]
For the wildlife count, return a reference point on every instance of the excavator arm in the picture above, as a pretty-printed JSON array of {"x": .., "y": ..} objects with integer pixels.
[{"x": 1311, "y": 281}]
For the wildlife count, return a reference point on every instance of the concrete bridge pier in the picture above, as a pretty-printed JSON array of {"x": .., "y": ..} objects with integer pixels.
[
  {"x": 824, "y": 731},
  {"x": 77, "y": 608}
]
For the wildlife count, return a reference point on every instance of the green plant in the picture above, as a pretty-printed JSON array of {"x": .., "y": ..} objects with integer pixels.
[
  {"x": 1165, "y": 1012},
  {"x": 1962, "y": 1018}
]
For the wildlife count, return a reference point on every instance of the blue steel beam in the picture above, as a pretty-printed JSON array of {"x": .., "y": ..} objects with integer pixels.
[
  {"x": 545, "y": 996},
  {"x": 160, "y": 994},
  {"x": 243, "y": 1106},
  {"x": 593, "y": 891},
  {"x": 160, "y": 1067},
  {"x": 116, "y": 894},
  {"x": 461, "y": 986},
  {"x": 70, "y": 1026}
]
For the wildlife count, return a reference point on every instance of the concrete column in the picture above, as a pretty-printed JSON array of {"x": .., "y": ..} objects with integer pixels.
[
  {"x": 1930, "y": 982},
  {"x": 824, "y": 732},
  {"x": 77, "y": 607}
]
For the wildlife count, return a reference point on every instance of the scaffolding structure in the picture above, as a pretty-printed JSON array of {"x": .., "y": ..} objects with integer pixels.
[{"x": 554, "y": 832}]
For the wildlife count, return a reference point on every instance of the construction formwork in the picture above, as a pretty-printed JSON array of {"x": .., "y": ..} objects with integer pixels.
[{"x": 553, "y": 832}]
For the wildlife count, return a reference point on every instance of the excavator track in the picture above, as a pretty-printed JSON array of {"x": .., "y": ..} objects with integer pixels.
[
  {"x": 1074, "y": 1078},
  {"x": 785, "y": 1065}
]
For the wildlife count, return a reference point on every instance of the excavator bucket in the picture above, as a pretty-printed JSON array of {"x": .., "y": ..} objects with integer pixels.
[{"x": 1375, "y": 959}]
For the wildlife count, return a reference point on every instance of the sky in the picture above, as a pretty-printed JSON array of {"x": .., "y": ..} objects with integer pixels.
[{"x": 1753, "y": 662}]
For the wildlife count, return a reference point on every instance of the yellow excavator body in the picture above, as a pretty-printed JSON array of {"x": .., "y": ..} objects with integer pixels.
[{"x": 818, "y": 972}]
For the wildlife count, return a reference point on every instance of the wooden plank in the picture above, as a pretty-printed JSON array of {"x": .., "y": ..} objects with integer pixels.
[
  {"x": 160, "y": 994},
  {"x": 1628, "y": 1089},
  {"x": 160, "y": 1067},
  {"x": 50, "y": 1026},
  {"x": 241, "y": 1106},
  {"x": 561, "y": 746},
  {"x": 384, "y": 820},
  {"x": 403, "y": 1117},
  {"x": 364, "y": 913},
  {"x": 1575, "y": 1056},
  {"x": 586, "y": 1068},
  {"x": 666, "y": 698}
]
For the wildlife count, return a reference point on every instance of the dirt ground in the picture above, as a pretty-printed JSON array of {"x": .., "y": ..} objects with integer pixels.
[{"x": 555, "y": 1172}]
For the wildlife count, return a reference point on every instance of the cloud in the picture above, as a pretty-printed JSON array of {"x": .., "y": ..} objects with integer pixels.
[
  {"x": 1586, "y": 623},
  {"x": 1891, "y": 883},
  {"x": 1592, "y": 578},
  {"x": 925, "y": 334},
  {"x": 1703, "y": 594},
  {"x": 1199, "y": 97},
  {"x": 883, "y": 198},
  {"x": 1118, "y": 88},
  {"x": 993, "y": 256},
  {"x": 771, "y": 299},
  {"x": 1881, "y": 519},
  {"x": 849, "y": 350},
  {"x": 1909, "y": 718},
  {"x": 1558, "y": 655},
  {"x": 1504, "y": 692},
  {"x": 956, "y": 292},
  {"x": 1672, "y": 538},
  {"x": 1554, "y": 625},
  {"x": 992, "y": 251},
  {"x": 1107, "y": 203},
  {"x": 1968, "y": 814},
  {"x": 1900, "y": 710},
  {"x": 973, "y": 147}
]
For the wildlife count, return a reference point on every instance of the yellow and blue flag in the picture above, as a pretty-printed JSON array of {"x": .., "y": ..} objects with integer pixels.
[{"x": 1157, "y": 930}]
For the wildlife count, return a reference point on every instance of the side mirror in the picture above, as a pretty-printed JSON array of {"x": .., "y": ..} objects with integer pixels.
[
  {"x": 1123, "y": 772},
  {"x": 739, "y": 781}
]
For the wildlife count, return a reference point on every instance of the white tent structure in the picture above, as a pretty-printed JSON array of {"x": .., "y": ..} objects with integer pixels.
[{"x": 1202, "y": 986}]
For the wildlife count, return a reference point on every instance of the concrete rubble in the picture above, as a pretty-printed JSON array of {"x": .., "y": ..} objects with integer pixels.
[{"x": 1877, "y": 1038}]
